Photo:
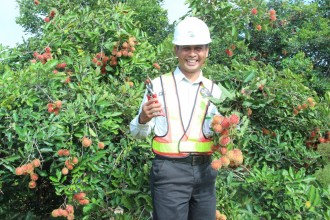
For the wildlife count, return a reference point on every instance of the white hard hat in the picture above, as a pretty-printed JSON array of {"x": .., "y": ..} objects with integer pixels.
[{"x": 191, "y": 31}]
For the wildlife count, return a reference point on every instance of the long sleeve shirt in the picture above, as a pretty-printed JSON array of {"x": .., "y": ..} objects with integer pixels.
[{"x": 186, "y": 91}]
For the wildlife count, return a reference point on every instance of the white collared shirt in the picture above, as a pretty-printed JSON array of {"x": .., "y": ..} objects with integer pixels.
[{"x": 187, "y": 92}]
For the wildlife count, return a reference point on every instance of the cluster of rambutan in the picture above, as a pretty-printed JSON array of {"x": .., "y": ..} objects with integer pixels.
[
  {"x": 126, "y": 49},
  {"x": 272, "y": 15},
  {"x": 47, "y": 55},
  {"x": 28, "y": 169},
  {"x": 68, "y": 77},
  {"x": 316, "y": 137},
  {"x": 62, "y": 67},
  {"x": 69, "y": 163},
  {"x": 63, "y": 153},
  {"x": 310, "y": 103},
  {"x": 100, "y": 59},
  {"x": 156, "y": 65},
  {"x": 128, "y": 82},
  {"x": 230, "y": 158},
  {"x": 229, "y": 52},
  {"x": 44, "y": 57},
  {"x": 67, "y": 212},
  {"x": 220, "y": 216},
  {"x": 223, "y": 128},
  {"x": 51, "y": 15},
  {"x": 265, "y": 131},
  {"x": 87, "y": 142},
  {"x": 54, "y": 107},
  {"x": 81, "y": 198}
]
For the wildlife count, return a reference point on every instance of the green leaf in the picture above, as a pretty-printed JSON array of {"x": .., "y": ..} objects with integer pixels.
[
  {"x": 249, "y": 77},
  {"x": 10, "y": 168},
  {"x": 113, "y": 114},
  {"x": 131, "y": 191},
  {"x": 54, "y": 179},
  {"x": 58, "y": 175},
  {"x": 248, "y": 35},
  {"x": 311, "y": 193},
  {"x": 317, "y": 200},
  {"x": 92, "y": 133},
  {"x": 98, "y": 156},
  {"x": 225, "y": 93},
  {"x": 144, "y": 145},
  {"x": 46, "y": 149},
  {"x": 87, "y": 208},
  {"x": 233, "y": 31},
  {"x": 127, "y": 202},
  {"x": 247, "y": 104},
  {"x": 42, "y": 173},
  {"x": 15, "y": 116},
  {"x": 10, "y": 159}
]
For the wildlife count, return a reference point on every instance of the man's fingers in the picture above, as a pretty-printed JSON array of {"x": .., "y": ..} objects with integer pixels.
[
  {"x": 152, "y": 100},
  {"x": 152, "y": 108}
]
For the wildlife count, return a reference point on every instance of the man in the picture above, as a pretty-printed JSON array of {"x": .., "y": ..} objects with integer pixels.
[{"x": 181, "y": 179}]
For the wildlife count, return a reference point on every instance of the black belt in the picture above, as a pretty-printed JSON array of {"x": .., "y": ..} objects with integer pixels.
[{"x": 191, "y": 159}]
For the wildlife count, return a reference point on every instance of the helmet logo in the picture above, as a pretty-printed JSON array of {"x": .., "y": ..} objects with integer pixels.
[{"x": 191, "y": 34}]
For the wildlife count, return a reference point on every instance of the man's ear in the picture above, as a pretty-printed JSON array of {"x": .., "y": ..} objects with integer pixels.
[
  {"x": 175, "y": 49},
  {"x": 207, "y": 52}
]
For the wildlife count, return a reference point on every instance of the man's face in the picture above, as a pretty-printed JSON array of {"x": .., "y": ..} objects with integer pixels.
[{"x": 191, "y": 58}]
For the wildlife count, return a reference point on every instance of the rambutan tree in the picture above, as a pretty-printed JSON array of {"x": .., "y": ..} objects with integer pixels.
[
  {"x": 76, "y": 90},
  {"x": 285, "y": 97}
]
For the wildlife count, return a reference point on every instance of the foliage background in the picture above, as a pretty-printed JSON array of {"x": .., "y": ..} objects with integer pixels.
[{"x": 269, "y": 73}]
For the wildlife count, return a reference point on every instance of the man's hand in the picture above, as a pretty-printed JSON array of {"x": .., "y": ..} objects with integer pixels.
[{"x": 150, "y": 109}]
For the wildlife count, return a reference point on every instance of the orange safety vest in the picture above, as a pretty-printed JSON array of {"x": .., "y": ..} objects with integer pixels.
[{"x": 177, "y": 142}]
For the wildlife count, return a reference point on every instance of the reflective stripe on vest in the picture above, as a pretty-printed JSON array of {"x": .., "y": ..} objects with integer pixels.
[{"x": 177, "y": 141}]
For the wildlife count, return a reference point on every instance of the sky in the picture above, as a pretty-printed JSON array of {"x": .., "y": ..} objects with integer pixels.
[
  {"x": 11, "y": 33},
  {"x": 175, "y": 9}
]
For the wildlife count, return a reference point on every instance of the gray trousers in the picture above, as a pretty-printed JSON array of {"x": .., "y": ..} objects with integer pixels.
[{"x": 181, "y": 191}]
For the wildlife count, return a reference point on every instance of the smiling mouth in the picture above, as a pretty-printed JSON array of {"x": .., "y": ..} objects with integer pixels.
[{"x": 192, "y": 62}]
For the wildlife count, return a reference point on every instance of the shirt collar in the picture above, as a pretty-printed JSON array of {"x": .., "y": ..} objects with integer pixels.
[{"x": 178, "y": 75}]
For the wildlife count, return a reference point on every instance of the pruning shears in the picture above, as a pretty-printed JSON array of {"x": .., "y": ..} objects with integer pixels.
[
  {"x": 150, "y": 89},
  {"x": 151, "y": 93}
]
